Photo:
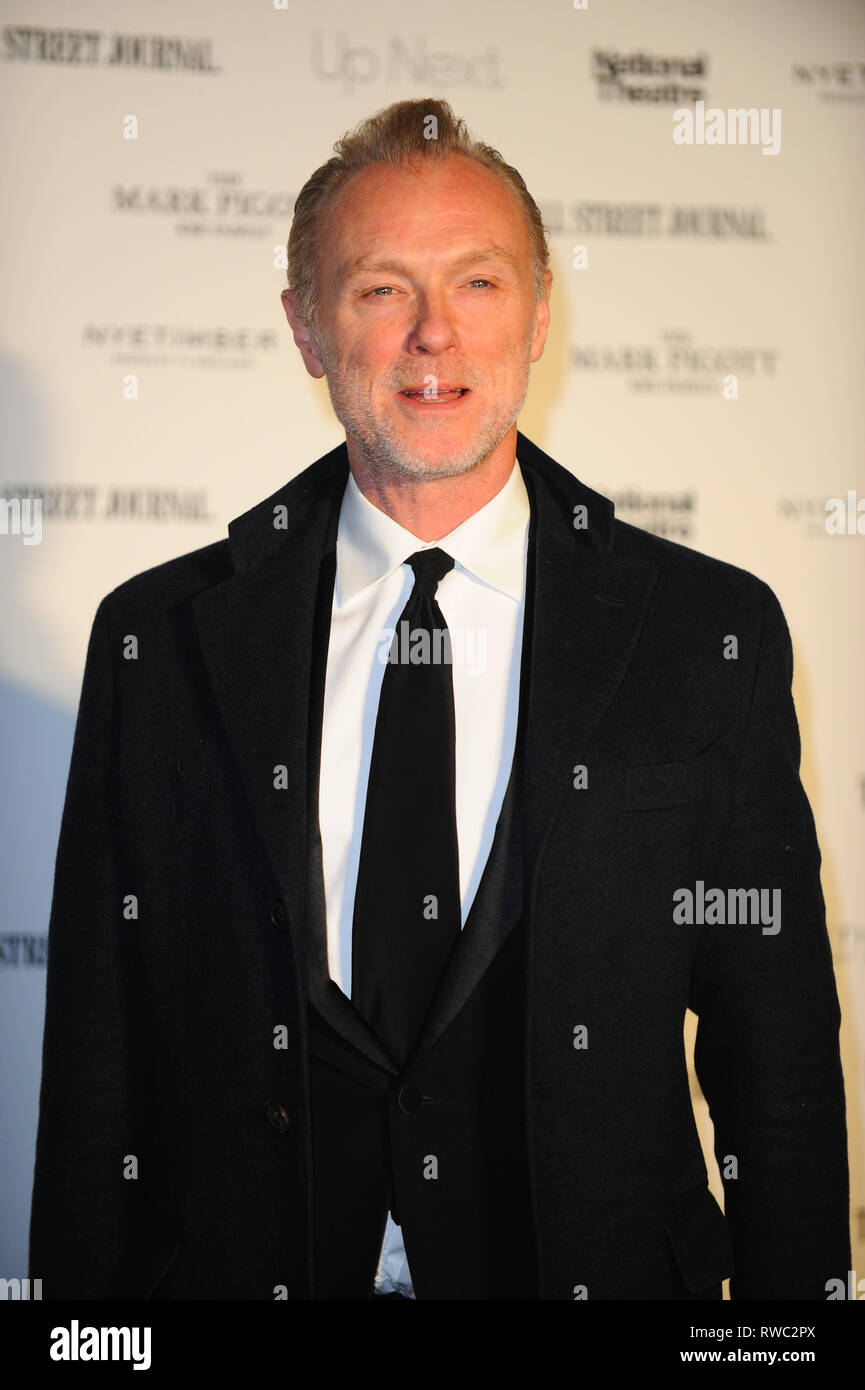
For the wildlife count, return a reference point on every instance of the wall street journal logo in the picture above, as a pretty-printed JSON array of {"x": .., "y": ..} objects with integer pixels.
[
  {"x": 90, "y": 47},
  {"x": 707, "y": 221},
  {"x": 92, "y": 502}
]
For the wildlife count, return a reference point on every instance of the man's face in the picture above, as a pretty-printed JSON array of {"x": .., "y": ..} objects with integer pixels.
[{"x": 426, "y": 286}]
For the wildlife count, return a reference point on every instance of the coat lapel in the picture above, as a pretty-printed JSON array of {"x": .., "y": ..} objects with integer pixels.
[
  {"x": 588, "y": 608},
  {"x": 255, "y": 631},
  {"x": 263, "y": 634}
]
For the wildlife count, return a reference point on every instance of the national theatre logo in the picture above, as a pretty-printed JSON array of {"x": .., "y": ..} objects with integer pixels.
[{"x": 642, "y": 78}]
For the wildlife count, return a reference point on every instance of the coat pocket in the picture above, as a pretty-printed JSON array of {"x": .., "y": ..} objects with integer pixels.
[
  {"x": 656, "y": 785},
  {"x": 699, "y": 1237}
]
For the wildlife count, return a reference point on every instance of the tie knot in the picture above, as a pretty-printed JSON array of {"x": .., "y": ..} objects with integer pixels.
[{"x": 430, "y": 566}]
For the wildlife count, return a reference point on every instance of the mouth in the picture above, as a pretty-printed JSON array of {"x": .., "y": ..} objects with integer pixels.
[{"x": 438, "y": 398}]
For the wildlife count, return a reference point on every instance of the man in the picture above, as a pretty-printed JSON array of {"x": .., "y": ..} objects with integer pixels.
[{"x": 403, "y": 827}]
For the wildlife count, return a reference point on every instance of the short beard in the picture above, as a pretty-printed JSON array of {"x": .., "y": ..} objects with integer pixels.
[
  {"x": 384, "y": 457},
  {"x": 382, "y": 454}
]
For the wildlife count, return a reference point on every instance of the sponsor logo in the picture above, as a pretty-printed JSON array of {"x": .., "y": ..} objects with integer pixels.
[
  {"x": 95, "y": 502},
  {"x": 649, "y": 79},
  {"x": 91, "y": 47},
  {"x": 832, "y": 81},
  {"x": 707, "y": 222}
]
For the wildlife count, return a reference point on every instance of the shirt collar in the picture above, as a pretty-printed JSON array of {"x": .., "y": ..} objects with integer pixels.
[{"x": 491, "y": 544}]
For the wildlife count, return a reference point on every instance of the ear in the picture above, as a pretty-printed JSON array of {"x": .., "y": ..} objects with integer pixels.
[
  {"x": 542, "y": 319},
  {"x": 302, "y": 335}
]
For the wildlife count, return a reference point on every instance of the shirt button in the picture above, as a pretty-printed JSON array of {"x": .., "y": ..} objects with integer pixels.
[
  {"x": 409, "y": 1099},
  {"x": 279, "y": 915},
  {"x": 279, "y": 1118}
]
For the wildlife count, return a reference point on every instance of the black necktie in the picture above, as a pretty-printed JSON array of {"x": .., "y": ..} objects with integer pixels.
[{"x": 407, "y": 901}]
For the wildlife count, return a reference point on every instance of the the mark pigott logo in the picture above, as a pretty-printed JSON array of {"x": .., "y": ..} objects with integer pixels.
[
  {"x": 676, "y": 364},
  {"x": 219, "y": 205}
]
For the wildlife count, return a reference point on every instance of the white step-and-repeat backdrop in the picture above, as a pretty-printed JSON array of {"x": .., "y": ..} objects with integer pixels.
[{"x": 705, "y": 368}]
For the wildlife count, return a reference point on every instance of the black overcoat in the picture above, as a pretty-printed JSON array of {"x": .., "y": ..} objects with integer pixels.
[{"x": 174, "y": 1133}]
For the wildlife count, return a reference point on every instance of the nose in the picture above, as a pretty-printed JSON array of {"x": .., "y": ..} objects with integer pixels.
[{"x": 434, "y": 329}]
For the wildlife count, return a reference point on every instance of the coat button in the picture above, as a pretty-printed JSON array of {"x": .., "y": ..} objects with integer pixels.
[
  {"x": 409, "y": 1099},
  {"x": 279, "y": 915},
  {"x": 279, "y": 1118}
]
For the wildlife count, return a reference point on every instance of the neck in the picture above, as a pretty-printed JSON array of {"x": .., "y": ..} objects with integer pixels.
[{"x": 433, "y": 507}]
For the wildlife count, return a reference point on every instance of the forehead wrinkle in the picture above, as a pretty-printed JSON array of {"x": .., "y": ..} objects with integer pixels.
[{"x": 360, "y": 264}]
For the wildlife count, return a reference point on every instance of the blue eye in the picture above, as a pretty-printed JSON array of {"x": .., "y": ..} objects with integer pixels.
[{"x": 382, "y": 287}]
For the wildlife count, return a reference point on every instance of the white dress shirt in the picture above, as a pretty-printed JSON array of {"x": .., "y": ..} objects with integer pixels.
[{"x": 482, "y": 600}]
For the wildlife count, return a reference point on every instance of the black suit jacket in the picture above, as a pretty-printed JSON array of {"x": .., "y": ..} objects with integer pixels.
[{"x": 174, "y": 1116}]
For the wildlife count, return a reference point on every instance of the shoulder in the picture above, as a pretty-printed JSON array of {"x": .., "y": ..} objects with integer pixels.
[
  {"x": 688, "y": 585},
  {"x": 169, "y": 585},
  {"x": 690, "y": 572}
]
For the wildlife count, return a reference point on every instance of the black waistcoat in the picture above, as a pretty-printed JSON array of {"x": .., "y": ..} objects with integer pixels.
[{"x": 442, "y": 1142}]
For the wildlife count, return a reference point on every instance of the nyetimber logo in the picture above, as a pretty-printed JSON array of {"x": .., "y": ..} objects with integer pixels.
[{"x": 75, "y": 1343}]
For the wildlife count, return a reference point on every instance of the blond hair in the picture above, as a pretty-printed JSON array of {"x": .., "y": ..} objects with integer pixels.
[{"x": 427, "y": 127}]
